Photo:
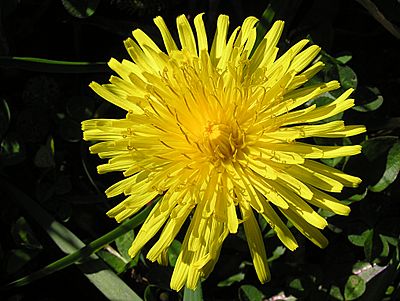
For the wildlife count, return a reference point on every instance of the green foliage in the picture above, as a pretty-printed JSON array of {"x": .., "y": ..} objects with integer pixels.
[
  {"x": 250, "y": 293},
  {"x": 354, "y": 288},
  {"x": 173, "y": 252},
  {"x": 391, "y": 171},
  {"x": 80, "y": 9},
  {"x": 231, "y": 280}
]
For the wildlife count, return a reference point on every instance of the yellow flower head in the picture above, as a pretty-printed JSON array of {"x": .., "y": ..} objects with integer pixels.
[{"x": 217, "y": 134}]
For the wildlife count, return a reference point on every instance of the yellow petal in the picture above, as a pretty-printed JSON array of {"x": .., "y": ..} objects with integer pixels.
[
  {"x": 186, "y": 35},
  {"x": 327, "y": 202},
  {"x": 313, "y": 234},
  {"x": 256, "y": 245},
  {"x": 166, "y": 35},
  {"x": 201, "y": 32},
  {"x": 219, "y": 42},
  {"x": 279, "y": 227}
]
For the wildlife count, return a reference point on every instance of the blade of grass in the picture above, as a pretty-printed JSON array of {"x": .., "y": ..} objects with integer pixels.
[
  {"x": 103, "y": 277},
  {"x": 51, "y": 66}
]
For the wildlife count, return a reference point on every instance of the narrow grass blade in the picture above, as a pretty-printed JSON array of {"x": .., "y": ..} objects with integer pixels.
[
  {"x": 104, "y": 278},
  {"x": 51, "y": 66}
]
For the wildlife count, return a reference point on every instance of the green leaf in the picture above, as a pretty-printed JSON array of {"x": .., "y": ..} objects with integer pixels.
[
  {"x": 94, "y": 269},
  {"x": 265, "y": 22},
  {"x": 371, "y": 106},
  {"x": 356, "y": 197},
  {"x": 5, "y": 117},
  {"x": 373, "y": 148},
  {"x": 347, "y": 77},
  {"x": 368, "y": 244},
  {"x": 12, "y": 150},
  {"x": 173, "y": 252},
  {"x": 386, "y": 241},
  {"x": 333, "y": 161},
  {"x": 124, "y": 242},
  {"x": 232, "y": 279},
  {"x": 359, "y": 240},
  {"x": 24, "y": 236},
  {"x": 193, "y": 295},
  {"x": 336, "y": 293},
  {"x": 80, "y": 8},
  {"x": 354, "y": 288},
  {"x": 278, "y": 252},
  {"x": 44, "y": 157},
  {"x": 51, "y": 66},
  {"x": 151, "y": 292},
  {"x": 391, "y": 171},
  {"x": 344, "y": 59},
  {"x": 296, "y": 284},
  {"x": 18, "y": 258},
  {"x": 113, "y": 259},
  {"x": 250, "y": 293}
]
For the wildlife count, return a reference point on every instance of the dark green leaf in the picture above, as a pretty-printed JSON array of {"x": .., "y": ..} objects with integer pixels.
[
  {"x": 81, "y": 8},
  {"x": 344, "y": 59},
  {"x": 44, "y": 157},
  {"x": 124, "y": 242},
  {"x": 333, "y": 161},
  {"x": 113, "y": 259},
  {"x": 173, "y": 252},
  {"x": 278, "y": 252},
  {"x": 250, "y": 293},
  {"x": 336, "y": 293},
  {"x": 151, "y": 293},
  {"x": 376, "y": 147},
  {"x": 24, "y": 236},
  {"x": 19, "y": 258},
  {"x": 51, "y": 66},
  {"x": 327, "y": 98},
  {"x": 5, "y": 117},
  {"x": 391, "y": 171},
  {"x": 12, "y": 150},
  {"x": 347, "y": 77},
  {"x": 386, "y": 241},
  {"x": 296, "y": 284},
  {"x": 359, "y": 240},
  {"x": 232, "y": 279},
  {"x": 325, "y": 213},
  {"x": 371, "y": 106},
  {"x": 354, "y": 288},
  {"x": 368, "y": 244},
  {"x": 356, "y": 197}
]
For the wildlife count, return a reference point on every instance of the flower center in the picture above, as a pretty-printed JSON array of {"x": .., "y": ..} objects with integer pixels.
[{"x": 218, "y": 139}]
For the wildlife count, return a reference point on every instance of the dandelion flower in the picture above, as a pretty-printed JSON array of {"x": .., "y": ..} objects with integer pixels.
[{"x": 220, "y": 135}]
